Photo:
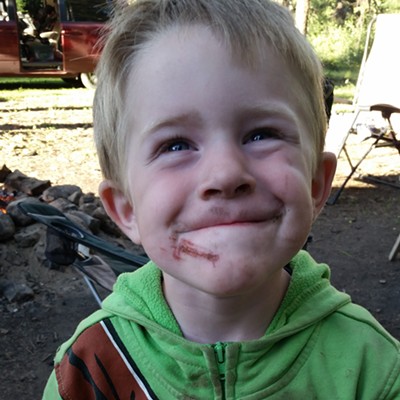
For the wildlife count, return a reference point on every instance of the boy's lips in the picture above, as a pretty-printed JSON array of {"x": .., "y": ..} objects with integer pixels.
[{"x": 220, "y": 218}]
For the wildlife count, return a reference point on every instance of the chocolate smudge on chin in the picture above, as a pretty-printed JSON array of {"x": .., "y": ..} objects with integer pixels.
[{"x": 187, "y": 247}]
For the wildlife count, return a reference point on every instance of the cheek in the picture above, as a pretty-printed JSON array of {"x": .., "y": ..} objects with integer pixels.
[
  {"x": 291, "y": 182},
  {"x": 157, "y": 205},
  {"x": 293, "y": 186}
]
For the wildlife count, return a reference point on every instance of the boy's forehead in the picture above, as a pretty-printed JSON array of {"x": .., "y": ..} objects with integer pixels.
[
  {"x": 177, "y": 36},
  {"x": 174, "y": 44},
  {"x": 169, "y": 81},
  {"x": 180, "y": 53}
]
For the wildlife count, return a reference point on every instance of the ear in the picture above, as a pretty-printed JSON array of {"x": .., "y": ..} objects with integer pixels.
[
  {"x": 120, "y": 209},
  {"x": 322, "y": 181}
]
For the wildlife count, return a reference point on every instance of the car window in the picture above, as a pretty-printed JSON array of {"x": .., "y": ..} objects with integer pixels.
[
  {"x": 7, "y": 11},
  {"x": 88, "y": 11},
  {"x": 3, "y": 11}
]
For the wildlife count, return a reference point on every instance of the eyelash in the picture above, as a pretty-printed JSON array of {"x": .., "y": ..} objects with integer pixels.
[
  {"x": 267, "y": 133},
  {"x": 166, "y": 146}
]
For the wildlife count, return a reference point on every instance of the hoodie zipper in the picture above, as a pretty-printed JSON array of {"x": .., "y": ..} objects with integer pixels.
[{"x": 219, "y": 350}]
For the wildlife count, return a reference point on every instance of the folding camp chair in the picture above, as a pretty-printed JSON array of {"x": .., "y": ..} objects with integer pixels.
[
  {"x": 395, "y": 250},
  {"x": 76, "y": 246},
  {"x": 377, "y": 89}
]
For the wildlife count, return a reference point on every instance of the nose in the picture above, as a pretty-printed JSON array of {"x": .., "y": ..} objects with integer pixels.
[{"x": 225, "y": 174}]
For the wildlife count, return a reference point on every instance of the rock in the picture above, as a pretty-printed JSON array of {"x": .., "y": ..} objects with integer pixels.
[
  {"x": 63, "y": 205},
  {"x": 75, "y": 197},
  {"x": 87, "y": 198},
  {"x": 107, "y": 225},
  {"x": 88, "y": 208},
  {"x": 18, "y": 181},
  {"x": 7, "y": 227},
  {"x": 4, "y": 172},
  {"x": 100, "y": 213},
  {"x": 57, "y": 191},
  {"x": 110, "y": 227},
  {"x": 18, "y": 292},
  {"x": 28, "y": 237},
  {"x": 39, "y": 252},
  {"x": 18, "y": 216},
  {"x": 85, "y": 221}
]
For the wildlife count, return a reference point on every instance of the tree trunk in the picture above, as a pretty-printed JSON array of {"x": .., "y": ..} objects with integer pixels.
[{"x": 302, "y": 10}]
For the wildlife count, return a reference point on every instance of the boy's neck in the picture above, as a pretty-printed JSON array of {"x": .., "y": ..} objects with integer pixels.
[{"x": 205, "y": 318}]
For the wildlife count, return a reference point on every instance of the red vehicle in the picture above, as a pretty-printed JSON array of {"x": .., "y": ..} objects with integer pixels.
[{"x": 53, "y": 38}]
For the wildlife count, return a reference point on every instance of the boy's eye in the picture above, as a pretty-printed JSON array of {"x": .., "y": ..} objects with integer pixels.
[
  {"x": 257, "y": 136},
  {"x": 262, "y": 134},
  {"x": 177, "y": 146}
]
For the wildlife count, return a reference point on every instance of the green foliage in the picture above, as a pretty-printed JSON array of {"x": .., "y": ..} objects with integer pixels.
[
  {"x": 337, "y": 30},
  {"x": 391, "y": 6},
  {"x": 337, "y": 39},
  {"x": 340, "y": 49},
  {"x": 29, "y": 6}
]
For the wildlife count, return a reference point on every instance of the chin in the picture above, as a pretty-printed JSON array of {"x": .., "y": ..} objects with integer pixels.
[{"x": 235, "y": 275}]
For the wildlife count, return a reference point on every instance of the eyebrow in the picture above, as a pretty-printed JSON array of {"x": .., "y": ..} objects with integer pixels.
[
  {"x": 270, "y": 110},
  {"x": 177, "y": 120},
  {"x": 194, "y": 117}
]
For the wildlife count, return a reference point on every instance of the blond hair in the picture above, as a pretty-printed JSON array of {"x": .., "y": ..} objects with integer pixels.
[{"x": 244, "y": 25}]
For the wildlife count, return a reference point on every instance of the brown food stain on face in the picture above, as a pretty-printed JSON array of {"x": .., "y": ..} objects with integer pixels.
[{"x": 187, "y": 247}]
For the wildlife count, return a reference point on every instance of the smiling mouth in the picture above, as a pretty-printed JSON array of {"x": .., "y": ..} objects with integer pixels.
[
  {"x": 239, "y": 222},
  {"x": 187, "y": 247}
]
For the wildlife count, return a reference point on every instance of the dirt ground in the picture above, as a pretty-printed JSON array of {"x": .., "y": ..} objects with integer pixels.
[{"x": 46, "y": 133}]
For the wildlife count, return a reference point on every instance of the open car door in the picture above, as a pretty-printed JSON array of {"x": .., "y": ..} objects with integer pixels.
[
  {"x": 81, "y": 25},
  {"x": 9, "y": 43}
]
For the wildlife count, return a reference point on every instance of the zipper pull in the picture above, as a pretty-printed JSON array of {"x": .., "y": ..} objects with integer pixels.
[{"x": 219, "y": 349}]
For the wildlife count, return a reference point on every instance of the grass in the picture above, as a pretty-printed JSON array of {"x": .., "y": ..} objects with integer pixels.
[
  {"x": 44, "y": 94},
  {"x": 345, "y": 92},
  {"x": 41, "y": 92},
  {"x": 33, "y": 83}
]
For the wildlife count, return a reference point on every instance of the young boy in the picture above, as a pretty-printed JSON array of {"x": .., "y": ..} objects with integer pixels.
[{"x": 209, "y": 123}]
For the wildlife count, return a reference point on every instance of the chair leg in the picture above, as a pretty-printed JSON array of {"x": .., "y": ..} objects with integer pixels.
[
  {"x": 395, "y": 249},
  {"x": 392, "y": 134},
  {"x": 334, "y": 197}
]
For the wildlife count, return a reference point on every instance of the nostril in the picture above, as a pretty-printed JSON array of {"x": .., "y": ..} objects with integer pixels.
[
  {"x": 242, "y": 189},
  {"x": 211, "y": 193},
  {"x": 227, "y": 181},
  {"x": 238, "y": 191}
]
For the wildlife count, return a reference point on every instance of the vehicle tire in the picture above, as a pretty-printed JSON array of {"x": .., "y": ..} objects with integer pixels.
[{"x": 88, "y": 79}]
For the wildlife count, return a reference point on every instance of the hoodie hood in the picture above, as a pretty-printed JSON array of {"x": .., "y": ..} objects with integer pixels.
[{"x": 139, "y": 297}]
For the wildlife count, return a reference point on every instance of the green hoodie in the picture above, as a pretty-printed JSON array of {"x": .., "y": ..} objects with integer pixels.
[{"x": 318, "y": 346}]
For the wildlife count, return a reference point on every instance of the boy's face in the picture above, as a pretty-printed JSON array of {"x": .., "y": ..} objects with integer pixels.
[{"x": 221, "y": 191}]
